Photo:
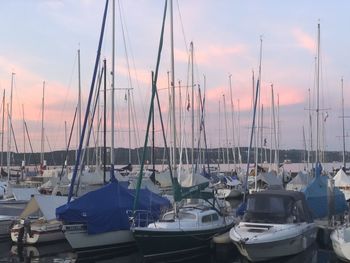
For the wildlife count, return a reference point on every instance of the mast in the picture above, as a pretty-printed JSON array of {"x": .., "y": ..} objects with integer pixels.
[
  {"x": 274, "y": 128},
  {"x": 104, "y": 119},
  {"x": 192, "y": 110},
  {"x": 172, "y": 83},
  {"x": 2, "y": 130},
  {"x": 8, "y": 143},
  {"x": 309, "y": 156},
  {"x": 226, "y": 135},
  {"x": 239, "y": 133},
  {"x": 342, "y": 106},
  {"x": 318, "y": 97},
  {"x": 257, "y": 129},
  {"x": 24, "y": 140},
  {"x": 112, "y": 91},
  {"x": 233, "y": 124},
  {"x": 9, "y": 127},
  {"x": 42, "y": 128},
  {"x": 79, "y": 98},
  {"x": 219, "y": 149},
  {"x": 129, "y": 125}
]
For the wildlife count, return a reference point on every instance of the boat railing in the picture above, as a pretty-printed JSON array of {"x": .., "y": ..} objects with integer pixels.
[{"x": 141, "y": 218}]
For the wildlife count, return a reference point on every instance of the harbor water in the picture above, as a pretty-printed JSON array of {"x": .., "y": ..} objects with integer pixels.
[{"x": 61, "y": 252}]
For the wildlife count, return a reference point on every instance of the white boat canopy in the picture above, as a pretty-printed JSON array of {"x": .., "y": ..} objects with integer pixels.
[{"x": 341, "y": 179}]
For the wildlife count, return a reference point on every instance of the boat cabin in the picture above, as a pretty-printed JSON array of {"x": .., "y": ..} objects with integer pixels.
[{"x": 277, "y": 207}]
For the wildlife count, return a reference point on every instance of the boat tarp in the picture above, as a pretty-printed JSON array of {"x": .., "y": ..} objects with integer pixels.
[
  {"x": 24, "y": 194},
  {"x": 300, "y": 181},
  {"x": 105, "y": 209},
  {"x": 46, "y": 204},
  {"x": 187, "y": 179},
  {"x": 270, "y": 178},
  {"x": 341, "y": 179},
  {"x": 316, "y": 194}
]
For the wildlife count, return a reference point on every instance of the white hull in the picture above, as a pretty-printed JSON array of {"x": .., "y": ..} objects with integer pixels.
[
  {"x": 228, "y": 193},
  {"x": 40, "y": 233},
  {"x": 79, "y": 239},
  {"x": 259, "y": 242},
  {"x": 341, "y": 242}
]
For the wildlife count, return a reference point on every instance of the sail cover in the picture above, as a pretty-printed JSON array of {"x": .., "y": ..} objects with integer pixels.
[
  {"x": 105, "y": 209},
  {"x": 316, "y": 194}
]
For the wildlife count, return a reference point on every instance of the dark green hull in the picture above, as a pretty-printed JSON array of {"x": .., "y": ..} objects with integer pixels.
[{"x": 163, "y": 243}]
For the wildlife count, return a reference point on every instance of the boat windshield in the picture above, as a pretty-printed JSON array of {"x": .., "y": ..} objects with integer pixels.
[
  {"x": 180, "y": 215},
  {"x": 269, "y": 209}
]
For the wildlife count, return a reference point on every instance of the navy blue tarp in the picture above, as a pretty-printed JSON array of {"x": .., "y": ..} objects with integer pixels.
[
  {"x": 317, "y": 198},
  {"x": 104, "y": 209}
]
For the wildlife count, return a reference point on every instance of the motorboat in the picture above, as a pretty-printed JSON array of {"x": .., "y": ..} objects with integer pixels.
[{"x": 276, "y": 223}]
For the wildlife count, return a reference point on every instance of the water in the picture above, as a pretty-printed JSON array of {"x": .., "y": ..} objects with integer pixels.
[{"x": 60, "y": 252}]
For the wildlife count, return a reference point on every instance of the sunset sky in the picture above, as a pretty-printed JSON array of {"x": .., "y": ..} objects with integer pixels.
[{"x": 40, "y": 39}]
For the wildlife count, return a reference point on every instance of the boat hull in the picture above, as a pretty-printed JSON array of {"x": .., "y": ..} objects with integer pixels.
[
  {"x": 340, "y": 246},
  {"x": 159, "y": 243},
  {"x": 81, "y": 241},
  {"x": 38, "y": 235},
  {"x": 280, "y": 247},
  {"x": 228, "y": 193}
]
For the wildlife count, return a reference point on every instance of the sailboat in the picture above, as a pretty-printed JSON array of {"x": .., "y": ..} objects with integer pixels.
[
  {"x": 323, "y": 199},
  {"x": 98, "y": 219},
  {"x": 37, "y": 222},
  {"x": 340, "y": 237},
  {"x": 195, "y": 217}
]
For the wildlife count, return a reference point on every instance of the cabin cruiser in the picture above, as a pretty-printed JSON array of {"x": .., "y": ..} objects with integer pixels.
[{"x": 276, "y": 223}]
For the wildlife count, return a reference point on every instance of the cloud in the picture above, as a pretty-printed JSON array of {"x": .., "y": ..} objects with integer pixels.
[
  {"x": 205, "y": 55},
  {"x": 304, "y": 40}
]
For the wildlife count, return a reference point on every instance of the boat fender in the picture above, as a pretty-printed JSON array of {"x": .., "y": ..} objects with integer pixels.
[
  {"x": 243, "y": 240},
  {"x": 27, "y": 227},
  {"x": 20, "y": 235},
  {"x": 304, "y": 242}
]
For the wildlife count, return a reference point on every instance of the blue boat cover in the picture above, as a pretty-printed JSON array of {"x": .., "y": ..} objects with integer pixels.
[
  {"x": 105, "y": 209},
  {"x": 317, "y": 198}
]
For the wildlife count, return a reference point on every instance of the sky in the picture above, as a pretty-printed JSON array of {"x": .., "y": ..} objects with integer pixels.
[{"x": 40, "y": 39}]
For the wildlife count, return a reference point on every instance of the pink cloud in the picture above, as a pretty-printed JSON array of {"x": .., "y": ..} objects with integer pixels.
[
  {"x": 304, "y": 40},
  {"x": 205, "y": 54}
]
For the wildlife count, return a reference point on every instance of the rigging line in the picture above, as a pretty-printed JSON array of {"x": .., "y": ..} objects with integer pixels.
[
  {"x": 125, "y": 48},
  {"x": 182, "y": 26},
  {"x": 48, "y": 143},
  {"x": 88, "y": 103},
  {"x": 30, "y": 142},
  {"x": 136, "y": 128},
  {"x": 90, "y": 125},
  {"x": 133, "y": 64},
  {"x": 66, "y": 100},
  {"x": 13, "y": 133},
  {"x": 68, "y": 145}
]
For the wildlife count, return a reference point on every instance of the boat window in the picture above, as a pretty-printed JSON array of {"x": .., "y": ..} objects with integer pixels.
[
  {"x": 168, "y": 216},
  {"x": 268, "y": 209},
  {"x": 184, "y": 215},
  {"x": 215, "y": 217},
  {"x": 206, "y": 219},
  {"x": 210, "y": 218}
]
